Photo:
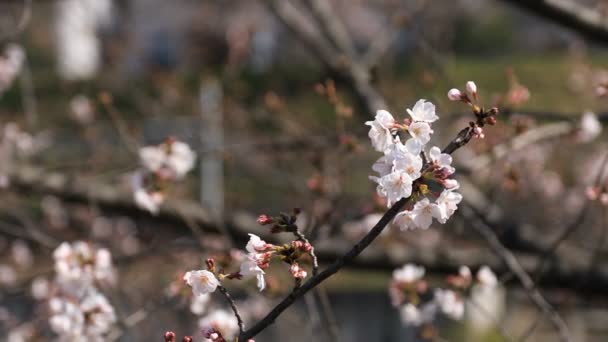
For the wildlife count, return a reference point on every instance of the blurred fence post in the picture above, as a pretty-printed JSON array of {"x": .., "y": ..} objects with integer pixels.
[{"x": 211, "y": 152}]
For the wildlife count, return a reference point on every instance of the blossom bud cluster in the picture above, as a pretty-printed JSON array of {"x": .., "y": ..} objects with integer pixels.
[
  {"x": 471, "y": 98},
  {"x": 418, "y": 304},
  {"x": 78, "y": 310},
  {"x": 161, "y": 166},
  {"x": 405, "y": 171},
  {"x": 170, "y": 337}
]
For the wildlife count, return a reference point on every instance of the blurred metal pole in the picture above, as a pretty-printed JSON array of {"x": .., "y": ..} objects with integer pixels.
[{"x": 212, "y": 141}]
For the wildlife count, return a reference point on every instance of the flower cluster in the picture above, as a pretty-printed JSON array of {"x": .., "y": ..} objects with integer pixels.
[
  {"x": 419, "y": 305},
  {"x": 87, "y": 318},
  {"x": 10, "y": 66},
  {"x": 220, "y": 325},
  {"x": 406, "y": 171},
  {"x": 161, "y": 166},
  {"x": 78, "y": 310}
]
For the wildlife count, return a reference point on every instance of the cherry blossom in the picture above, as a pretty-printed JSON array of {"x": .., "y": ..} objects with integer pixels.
[
  {"x": 421, "y": 132},
  {"x": 423, "y": 213},
  {"x": 409, "y": 273},
  {"x": 486, "y": 277},
  {"x": 380, "y": 131},
  {"x": 78, "y": 264},
  {"x": 255, "y": 244},
  {"x": 447, "y": 203},
  {"x": 394, "y": 186},
  {"x": 250, "y": 267},
  {"x": 423, "y": 111},
  {"x": 441, "y": 160},
  {"x": 405, "y": 220},
  {"x": 201, "y": 281},
  {"x": 87, "y": 319},
  {"x": 173, "y": 159},
  {"x": 450, "y": 303}
]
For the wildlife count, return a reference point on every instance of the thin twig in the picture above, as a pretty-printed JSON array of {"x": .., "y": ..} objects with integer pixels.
[
  {"x": 315, "y": 262},
  {"x": 234, "y": 308},
  {"x": 477, "y": 222}
]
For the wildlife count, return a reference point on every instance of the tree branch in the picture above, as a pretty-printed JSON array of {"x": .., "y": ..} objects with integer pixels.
[
  {"x": 462, "y": 138},
  {"x": 588, "y": 22}
]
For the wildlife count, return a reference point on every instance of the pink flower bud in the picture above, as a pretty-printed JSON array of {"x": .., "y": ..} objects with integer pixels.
[
  {"x": 478, "y": 132},
  {"x": 169, "y": 336},
  {"x": 307, "y": 247},
  {"x": 187, "y": 339},
  {"x": 297, "y": 272},
  {"x": 471, "y": 87},
  {"x": 454, "y": 95},
  {"x": 264, "y": 220}
]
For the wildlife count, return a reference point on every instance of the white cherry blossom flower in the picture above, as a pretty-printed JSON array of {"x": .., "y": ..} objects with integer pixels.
[
  {"x": 465, "y": 272},
  {"x": 410, "y": 164},
  {"x": 180, "y": 159},
  {"x": 423, "y": 213},
  {"x": 486, "y": 277},
  {"x": 414, "y": 146},
  {"x": 145, "y": 199},
  {"x": 450, "y": 303},
  {"x": 447, "y": 204},
  {"x": 394, "y": 186},
  {"x": 420, "y": 131},
  {"x": 88, "y": 319},
  {"x": 152, "y": 157},
  {"x": 423, "y": 111},
  {"x": 201, "y": 281},
  {"x": 442, "y": 160},
  {"x": 250, "y": 267},
  {"x": 410, "y": 314},
  {"x": 379, "y": 132},
  {"x": 409, "y": 273},
  {"x": 255, "y": 244},
  {"x": 405, "y": 220},
  {"x": 78, "y": 265},
  {"x": 173, "y": 158}
]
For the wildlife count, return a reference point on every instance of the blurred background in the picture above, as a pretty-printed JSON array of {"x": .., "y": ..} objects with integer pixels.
[{"x": 273, "y": 96}]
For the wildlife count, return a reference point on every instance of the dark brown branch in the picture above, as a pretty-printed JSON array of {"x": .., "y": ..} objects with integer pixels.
[
  {"x": 588, "y": 22},
  {"x": 235, "y": 309},
  {"x": 328, "y": 272},
  {"x": 461, "y": 139}
]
